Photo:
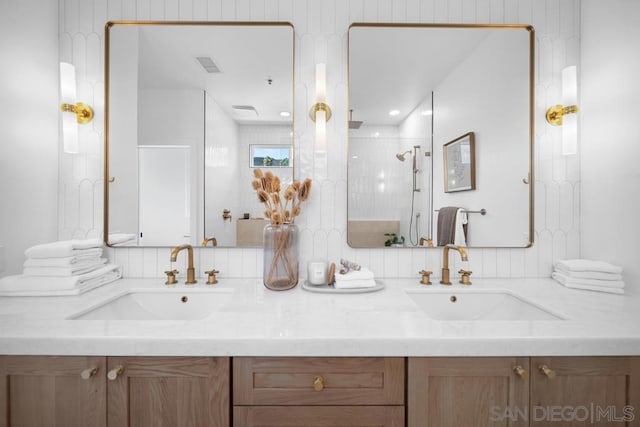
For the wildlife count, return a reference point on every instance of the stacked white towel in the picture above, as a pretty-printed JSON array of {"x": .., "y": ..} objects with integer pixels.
[
  {"x": 589, "y": 275},
  {"x": 68, "y": 267},
  {"x": 363, "y": 278}
]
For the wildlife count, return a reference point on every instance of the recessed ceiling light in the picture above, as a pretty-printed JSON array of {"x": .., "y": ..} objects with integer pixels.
[
  {"x": 285, "y": 114},
  {"x": 427, "y": 112},
  {"x": 394, "y": 112}
]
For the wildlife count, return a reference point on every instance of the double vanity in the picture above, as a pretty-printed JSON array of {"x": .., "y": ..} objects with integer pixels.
[{"x": 238, "y": 354}]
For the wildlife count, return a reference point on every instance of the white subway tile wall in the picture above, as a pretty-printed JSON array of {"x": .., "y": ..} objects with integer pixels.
[{"x": 321, "y": 36}]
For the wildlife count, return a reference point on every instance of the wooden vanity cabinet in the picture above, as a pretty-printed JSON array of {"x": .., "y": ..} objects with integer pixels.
[
  {"x": 118, "y": 391},
  {"x": 590, "y": 391},
  {"x": 469, "y": 391},
  {"x": 48, "y": 391},
  {"x": 318, "y": 392}
]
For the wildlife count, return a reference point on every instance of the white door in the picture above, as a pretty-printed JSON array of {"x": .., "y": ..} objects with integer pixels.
[{"x": 164, "y": 195}]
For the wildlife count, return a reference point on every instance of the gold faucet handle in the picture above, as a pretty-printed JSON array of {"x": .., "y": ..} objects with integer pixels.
[
  {"x": 171, "y": 277},
  {"x": 211, "y": 279},
  {"x": 466, "y": 276},
  {"x": 426, "y": 277}
]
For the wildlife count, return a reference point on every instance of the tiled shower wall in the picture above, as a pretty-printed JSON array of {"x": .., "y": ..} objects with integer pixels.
[{"x": 321, "y": 36}]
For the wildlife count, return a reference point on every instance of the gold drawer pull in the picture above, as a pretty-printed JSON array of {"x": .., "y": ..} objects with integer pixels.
[
  {"x": 88, "y": 373},
  {"x": 318, "y": 383},
  {"x": 115, "y": 373},
  {"x": 521, "y": 372},
  {"x": 550, "y": 373}
]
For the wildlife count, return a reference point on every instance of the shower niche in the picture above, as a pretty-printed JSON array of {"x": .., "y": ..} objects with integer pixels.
[{"x": 412, "y": 90}]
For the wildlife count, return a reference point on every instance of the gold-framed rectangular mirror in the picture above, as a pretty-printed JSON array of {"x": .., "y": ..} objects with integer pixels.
[
  {"x": 184, "y": 102},
  {"x": 413, "y": 88}
]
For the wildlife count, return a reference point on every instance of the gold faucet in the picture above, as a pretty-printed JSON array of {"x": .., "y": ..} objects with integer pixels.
[
  {"x": 213, "y": 240},
  {"x": 191, "y": 272},
  {"x": 445, "y": 261}
]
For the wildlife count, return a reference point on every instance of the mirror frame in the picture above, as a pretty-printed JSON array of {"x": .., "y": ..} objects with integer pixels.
[
  {"x": 530, "y": 177},
  {"x": 107, "y": 47}
]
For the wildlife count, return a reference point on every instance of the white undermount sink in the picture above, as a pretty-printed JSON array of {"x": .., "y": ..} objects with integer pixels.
[
  {"x": 158, "y": 304},
  {"x": 470, "y": 304}
]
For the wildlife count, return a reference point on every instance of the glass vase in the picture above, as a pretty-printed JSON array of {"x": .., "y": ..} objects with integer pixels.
[{"x": 280, "y": 256}]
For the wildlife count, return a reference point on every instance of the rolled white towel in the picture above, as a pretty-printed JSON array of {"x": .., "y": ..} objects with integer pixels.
[
  {"x": 63, "y": 248},
  {"x": 20, "y": 285},
  {"x": 587, "y": 265},
  {"x": 83, "y": 259},
  {"x": 566, "y": 279},
  {"x": 71, "y": 270},
  {"x": 609, "y": 289},
  {"x": 596, "y": 275}
]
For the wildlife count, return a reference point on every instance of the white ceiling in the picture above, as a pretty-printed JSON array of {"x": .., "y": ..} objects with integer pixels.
[
  {"x": 396, "y": 68},
  {"x": 247, "y": 56}
]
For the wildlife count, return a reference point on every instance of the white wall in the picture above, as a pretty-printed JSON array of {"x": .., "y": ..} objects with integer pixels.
[
  {"x": 493, "y": 105},
  {"x": 610, "y": 142},
  {"x": 29, "y": 108},
  {"x": 321, "y": 36}
]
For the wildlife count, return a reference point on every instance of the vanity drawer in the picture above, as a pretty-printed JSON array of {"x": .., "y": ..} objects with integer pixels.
[
  {"x": 318, "y": 381},
  {"x": 318, "y": 416}
]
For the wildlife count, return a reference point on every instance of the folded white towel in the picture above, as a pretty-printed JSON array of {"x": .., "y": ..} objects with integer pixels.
[
  {"x": 63, "y": 248},
  {"x": 598, "y": 275},
  {"x": 354, "y": 284},
  {"x": 588, "y": 265},
  {"x": 363, "y": 278},
  {"x": 565, "y": 279},
  {"x": 72, "y": 270},
  {"x": 20, "y": 285},
  {"x": 362, "y": 274},
  {"x": 609, "y": 289},
  {"x": 82, "y": 259}
]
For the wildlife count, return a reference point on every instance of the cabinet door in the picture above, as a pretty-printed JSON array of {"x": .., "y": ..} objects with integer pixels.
[
  {"x": 168, "y": 391},
  {"x": 474, "y": 392},
  {"x": 47, "y": 391},
  {"x": 581, "y": 391},
  {"x": 318, "y": 416}
]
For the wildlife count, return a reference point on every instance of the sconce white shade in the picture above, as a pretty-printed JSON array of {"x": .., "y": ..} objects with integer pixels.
[
  {"x": 321, "y": 112},
  {"x": 321, "y": 83},
  {"x": 570, "y": 121},
  {"x": 68, "y": 96}
]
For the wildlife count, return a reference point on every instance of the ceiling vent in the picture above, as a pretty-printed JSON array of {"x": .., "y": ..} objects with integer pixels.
[
  {"x": 245, "y": 110},
  {"x": 208, "y": 64}
]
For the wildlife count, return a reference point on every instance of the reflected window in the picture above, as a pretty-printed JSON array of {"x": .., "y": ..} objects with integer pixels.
[{"x": 270, "y": 156}]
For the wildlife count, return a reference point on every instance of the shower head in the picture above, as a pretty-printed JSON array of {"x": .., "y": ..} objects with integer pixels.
[
  {"x": 400, "y": 156},
  {"x": 354, "y": 124}
]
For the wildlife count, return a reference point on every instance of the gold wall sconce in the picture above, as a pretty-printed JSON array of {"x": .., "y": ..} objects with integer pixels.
[
  {"x": 83, "y": 113},
  {"x": 320, "y": 112},
  {"x": 565, "y": 115}
]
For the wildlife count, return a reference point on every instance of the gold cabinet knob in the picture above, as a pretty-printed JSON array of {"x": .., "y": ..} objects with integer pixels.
[
  {"x": 550, "y": 373},
  {"x": 88, "y": 373},
  {"x": 521, "y": 372},
  {"x": 115, "y": 373},
  {"x": 318, "y": 383}
]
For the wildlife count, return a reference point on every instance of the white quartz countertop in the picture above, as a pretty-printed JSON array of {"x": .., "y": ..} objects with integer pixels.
[{"x": 254, "y": 321}]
